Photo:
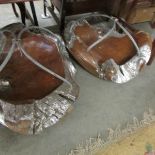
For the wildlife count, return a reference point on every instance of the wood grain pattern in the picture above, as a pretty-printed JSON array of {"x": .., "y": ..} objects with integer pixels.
[
  {"x": 120, "y": 49},
  {"x": 28, "y": 81}
]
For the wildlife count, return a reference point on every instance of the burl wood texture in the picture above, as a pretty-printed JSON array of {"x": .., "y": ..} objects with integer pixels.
[
  {"x": 28, "y": 81},
  {"x": 120, "y": 49}
]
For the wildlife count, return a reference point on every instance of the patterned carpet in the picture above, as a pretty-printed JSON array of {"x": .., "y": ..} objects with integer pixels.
[{"x": 138, "y": 138}]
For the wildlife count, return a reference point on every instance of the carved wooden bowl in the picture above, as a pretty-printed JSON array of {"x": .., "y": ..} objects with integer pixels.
[
  {"x": 22, "y": 80},
  {"x": 99, "y": 46}
]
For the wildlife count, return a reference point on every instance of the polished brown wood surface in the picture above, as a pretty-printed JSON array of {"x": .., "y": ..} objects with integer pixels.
[
  {"x": 120, "y": 49},
  {"x": 136, "y": 11},
  {"x": 152, "y": 54},
  {"x": 14, "y": 1},
  {"x": 28, "y": 81}
]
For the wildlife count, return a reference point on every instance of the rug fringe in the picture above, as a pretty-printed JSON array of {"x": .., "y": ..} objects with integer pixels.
[{"x": 92, "y": 145}]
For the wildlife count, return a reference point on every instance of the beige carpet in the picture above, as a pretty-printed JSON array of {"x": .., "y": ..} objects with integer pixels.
[{"x": 137, "y": 138}]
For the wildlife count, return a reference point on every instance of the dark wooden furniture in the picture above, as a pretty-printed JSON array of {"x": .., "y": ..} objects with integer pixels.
[
  {"x": 133, "y": 11},
  {"x": 136, "y": 11},
  {"x": 24, "y": 12},
  {"x": 74, "y": 7},
  {"x": 153, "y": 21}
]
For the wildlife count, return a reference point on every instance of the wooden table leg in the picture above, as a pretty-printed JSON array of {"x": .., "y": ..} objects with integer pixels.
[
  {"x": 14, "y": 10},
  {"x": 62, "y": 17},
  {"x": 153, "y": 21},
  {"x": 22, "y": 9},
  {"x": 34, "y": 13},
  {"x": 152, "y": 54},
  {"x": 28, "y": 16},
  {"x": 45, "y": 9},
  {"x": 52, "y": 6}
]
